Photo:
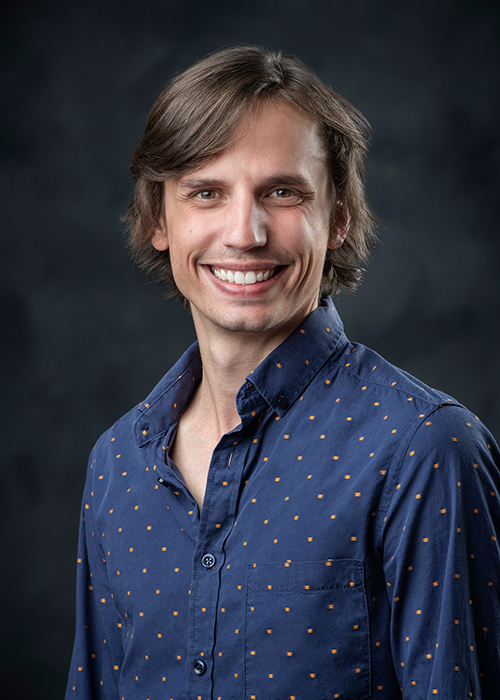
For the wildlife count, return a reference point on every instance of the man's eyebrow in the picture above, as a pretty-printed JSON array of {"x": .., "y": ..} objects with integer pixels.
[
  {"x": 188, "y": 183},
  {"x": 290, "y": 180},
  {"x": 284, "y": 179}
]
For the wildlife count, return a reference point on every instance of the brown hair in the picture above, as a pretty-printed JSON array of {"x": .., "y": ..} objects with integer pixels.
[{"x": 195, "y": 118}]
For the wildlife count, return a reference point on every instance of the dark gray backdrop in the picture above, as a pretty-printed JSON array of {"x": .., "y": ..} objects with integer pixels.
[{"x": 84, "y": 338}]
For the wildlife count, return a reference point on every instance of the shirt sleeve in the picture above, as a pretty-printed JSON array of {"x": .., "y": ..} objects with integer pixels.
[
  {"x": 98, "y": 649},
  {"x": 442, "y": 560}
]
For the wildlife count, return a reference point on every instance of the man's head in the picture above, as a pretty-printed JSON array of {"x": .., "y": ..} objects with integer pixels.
[{"x": 196, "y": 118}]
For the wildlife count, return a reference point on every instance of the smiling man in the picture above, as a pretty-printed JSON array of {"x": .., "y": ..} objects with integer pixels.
[{"x": 287, "y": 515}]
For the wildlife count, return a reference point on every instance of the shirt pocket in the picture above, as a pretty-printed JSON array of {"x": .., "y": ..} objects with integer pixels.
[{"x": 307, "y": 631}]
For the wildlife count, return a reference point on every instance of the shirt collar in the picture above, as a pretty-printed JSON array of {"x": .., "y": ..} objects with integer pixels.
[
  {"x": 285, "y": 373},
  {"x": 164, "y": 405},
  {"x": 279, "y": 380}
]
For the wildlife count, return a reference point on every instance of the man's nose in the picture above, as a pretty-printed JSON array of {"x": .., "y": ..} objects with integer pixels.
[{"x": 246, "y": 224}]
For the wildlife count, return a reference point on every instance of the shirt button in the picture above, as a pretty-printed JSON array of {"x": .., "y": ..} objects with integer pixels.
[
  {"x": 282, "y": 401},
  {"x": 208, "y": 561},
  {"x": 199, "y": 667}
]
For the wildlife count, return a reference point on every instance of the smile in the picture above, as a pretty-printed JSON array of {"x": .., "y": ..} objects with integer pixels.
[{"x": 243, "y": 278}]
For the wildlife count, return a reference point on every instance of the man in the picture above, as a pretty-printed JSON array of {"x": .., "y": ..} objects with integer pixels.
[{"x": 286, "y": 515}]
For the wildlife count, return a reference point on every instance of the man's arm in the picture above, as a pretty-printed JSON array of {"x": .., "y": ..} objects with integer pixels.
[
  {"x": 442, "y": 560},
  {"x": 98, "y": 649}
]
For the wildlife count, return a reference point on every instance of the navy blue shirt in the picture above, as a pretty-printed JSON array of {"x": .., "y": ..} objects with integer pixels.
[{"x": 347, "y": 546}]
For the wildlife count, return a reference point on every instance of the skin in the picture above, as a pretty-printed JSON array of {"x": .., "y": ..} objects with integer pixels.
[{"x": 261, "y": 206}]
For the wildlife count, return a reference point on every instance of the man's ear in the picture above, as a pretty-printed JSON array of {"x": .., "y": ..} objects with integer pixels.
[
  {"x": 159, "y": 239},
  {"x": 340, "y": 226}
]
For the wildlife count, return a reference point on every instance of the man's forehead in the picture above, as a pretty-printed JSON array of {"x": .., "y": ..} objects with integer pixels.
[
  {"x": 287, "y": 116},
  {"x": 279, "y": 130}
]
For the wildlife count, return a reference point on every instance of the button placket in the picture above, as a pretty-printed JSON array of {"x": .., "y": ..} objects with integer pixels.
[{"x": 216, "y": 519}]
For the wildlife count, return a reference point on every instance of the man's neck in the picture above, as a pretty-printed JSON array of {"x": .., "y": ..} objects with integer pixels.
[{"x": 227, "y": 361}]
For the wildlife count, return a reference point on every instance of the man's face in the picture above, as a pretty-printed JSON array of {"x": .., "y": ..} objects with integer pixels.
[{"x": 248, "y": 231}]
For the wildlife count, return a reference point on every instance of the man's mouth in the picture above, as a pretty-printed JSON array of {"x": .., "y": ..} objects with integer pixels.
[{"x": 244, "y": 278}]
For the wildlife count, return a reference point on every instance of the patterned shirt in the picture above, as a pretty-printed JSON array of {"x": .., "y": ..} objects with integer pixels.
[{"x": 347, "y": 546}]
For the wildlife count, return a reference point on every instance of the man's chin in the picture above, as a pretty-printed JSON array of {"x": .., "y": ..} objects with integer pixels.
[
  {"x": 242, "y": 322},
  {"x": 245, "y": 325}
]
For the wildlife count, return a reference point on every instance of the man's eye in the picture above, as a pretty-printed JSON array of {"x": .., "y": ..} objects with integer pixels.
[
  {"x": 282, "y": 193},
  {"x": 206, "y": 194}
]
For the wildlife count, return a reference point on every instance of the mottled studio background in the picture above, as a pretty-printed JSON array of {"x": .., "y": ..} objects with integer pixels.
[{"x": 84, "y": 338}]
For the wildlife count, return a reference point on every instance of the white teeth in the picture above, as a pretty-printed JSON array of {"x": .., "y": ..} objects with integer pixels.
[{"x": 241, "y": 278}]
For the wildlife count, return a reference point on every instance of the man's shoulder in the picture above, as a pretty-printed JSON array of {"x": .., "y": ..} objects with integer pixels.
[
  {"x": 370, "y": 385},
  {"x": 122, "y": 429},
  {"x": 364, "y": 368},
  {"x": 412, "y": 420}
]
